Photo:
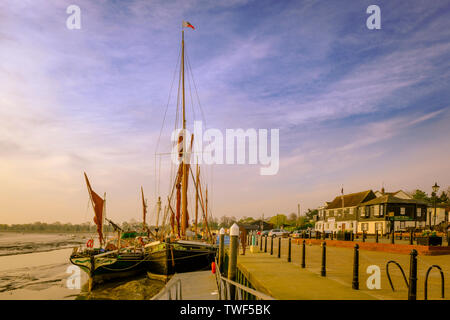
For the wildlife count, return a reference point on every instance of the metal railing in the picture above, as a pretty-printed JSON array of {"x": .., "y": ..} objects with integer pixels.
[
  {"x": 172, "y": 291},
  {"x": 232, "y": 290}
]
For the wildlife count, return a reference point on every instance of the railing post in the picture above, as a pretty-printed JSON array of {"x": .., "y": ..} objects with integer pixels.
[
  {"x": 376, "y": 236},
  {"x": 221, "y": 248},
  {"x": 392, "y": 237},
  {"x": 279, "y": 247},
  {"x": 323, "y": 271},
  {"x": 355, "y": 283},
  {"x": 411, "y": 237},
  {"x": 232, "y": 263},
  {"x": 289, "y": 250},
  {"x": 271, "y": 245},
  {"x": 265, "y": 243},
  {"x": 412, "y": 290},
  {"x": 303, "y": 254},
  {"x": 260, "y": 243}
]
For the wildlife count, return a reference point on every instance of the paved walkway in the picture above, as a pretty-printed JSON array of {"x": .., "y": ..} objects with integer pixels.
[
  {"x": 199, "y": 285},
  {"x": 287, "y": 280}
]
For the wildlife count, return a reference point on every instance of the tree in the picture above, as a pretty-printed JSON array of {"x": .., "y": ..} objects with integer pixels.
[
  {"x": 443, "y": 198},
  {"x": 311, "y": 213},
  {"x": 278, "y": 220},
  {"x": 420, "y": 195},
  {"x": 292, "y": 218}
]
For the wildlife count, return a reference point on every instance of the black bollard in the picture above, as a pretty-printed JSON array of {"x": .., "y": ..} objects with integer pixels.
[
  {"x": 353, "y": 236},
  {"x": 260, "y": 243},
  {"x": 271, "y": 245},
  {"x": 355, "y": 283},
  {"x": 364, "y": 236},
  {"x": 310, "y": 234},
  {"x": 331, "y": 235},
  {"x": 279, "y": 247},
  {"x": 265, "y": 243},
  {"x": 392, "y": 237},
  {"x": 376, "y": 236},
  {"x": 303, "y": 254},
  {"x": 323, "y": 271},
  {"x": 412, "y": 290},
  {"x": 411, "y": 237},
  {"x": 289, "y": 250},
  {"x": 401, "y": 235}
]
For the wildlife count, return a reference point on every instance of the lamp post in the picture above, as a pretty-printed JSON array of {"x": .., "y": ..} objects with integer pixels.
[{"x": 435, "y": 191}]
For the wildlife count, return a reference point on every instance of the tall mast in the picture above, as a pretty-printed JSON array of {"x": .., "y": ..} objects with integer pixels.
[
  {"x": 184, "y": 180},
  {"x": 196, "y": 198}
]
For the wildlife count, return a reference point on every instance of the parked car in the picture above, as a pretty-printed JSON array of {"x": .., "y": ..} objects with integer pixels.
[
  {"x": 278, "y": 233},
  {"x": 297, "y": 233},
  {"x": 265, "y": 233}
]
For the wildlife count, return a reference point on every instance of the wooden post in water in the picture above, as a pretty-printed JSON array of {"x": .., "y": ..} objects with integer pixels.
[
  {"x": 232, "y": 263},
  {"x": 221, "y": 248}
]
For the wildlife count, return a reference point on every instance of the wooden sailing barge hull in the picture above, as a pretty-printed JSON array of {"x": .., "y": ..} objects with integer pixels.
[
  {"x": 110, "y": 267},
  {"x": 178, "y": 258}
]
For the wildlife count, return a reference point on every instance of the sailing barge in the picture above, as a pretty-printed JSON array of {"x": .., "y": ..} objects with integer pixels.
[{"x": 168, "y": 250}]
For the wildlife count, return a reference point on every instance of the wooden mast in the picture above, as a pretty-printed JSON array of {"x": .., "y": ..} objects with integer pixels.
[
  {"x": 184, "y": 180},
  {"x": 196, "y": 199}
]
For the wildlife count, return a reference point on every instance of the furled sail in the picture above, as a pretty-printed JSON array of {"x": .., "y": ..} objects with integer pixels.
[{"x": 97, "y": 203}]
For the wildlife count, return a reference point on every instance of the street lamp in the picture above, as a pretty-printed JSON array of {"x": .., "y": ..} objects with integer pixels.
[{"x": 435, "y": 191}]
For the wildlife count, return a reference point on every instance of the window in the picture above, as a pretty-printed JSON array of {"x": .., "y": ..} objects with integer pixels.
[
  {"x": 361, "y": 211},
  {"x": 339, "y": 212},
  {"x": 402, "y": 224},
  {"x": 402, "y": 211},
  {"x": 419, "y": 212},
  {"x": 381, "y": 210},
  {"x": 364, "y": 226},
  {"x": 372, "y": 211},
  {"x": 376, "y": 211},
  {"x": 351, "y": 211},
  {"x": 367, "y": 212}
]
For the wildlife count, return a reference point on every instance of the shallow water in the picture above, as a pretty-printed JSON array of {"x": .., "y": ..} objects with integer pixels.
[{"x": 43, "y": 273}]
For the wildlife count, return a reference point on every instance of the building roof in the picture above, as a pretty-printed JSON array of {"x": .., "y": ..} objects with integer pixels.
[
  {"x": 389, "y": 198},
  {"x": 350, "y": 200}
]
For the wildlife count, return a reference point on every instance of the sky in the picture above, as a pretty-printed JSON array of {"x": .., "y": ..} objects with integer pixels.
[{"x": 355, "y": 107}]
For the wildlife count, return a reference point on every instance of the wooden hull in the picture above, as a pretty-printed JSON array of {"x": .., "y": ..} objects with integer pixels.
[
  {"x": 180, "y": 257},
  {"x": 110, "y": 267}
]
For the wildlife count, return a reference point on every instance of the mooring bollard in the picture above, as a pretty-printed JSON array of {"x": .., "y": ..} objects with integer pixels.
[
  {"x": 411, "y": 237},
  {"x": 355, "y": 283},
  {"x": 265, "y": 243},
  {"x": 279, "y": 247},
  {"x": 289, "y": 250},
  {"x": 221, "y": 248},
  {"x": 412, "y": 290},
  {"x": 323, "y": 271},
  {"x": 271, "y": 245},
  {"x": 232, "y": 262},
  {"x": 303, "y": 254}
]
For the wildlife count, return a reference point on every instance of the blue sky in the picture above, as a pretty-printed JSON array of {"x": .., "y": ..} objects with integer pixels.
[{"x": 354, "y": 106}]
